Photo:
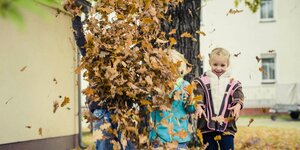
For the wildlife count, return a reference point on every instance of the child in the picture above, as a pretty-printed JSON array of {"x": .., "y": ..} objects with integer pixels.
[
  {"x": 171, "y": 126},
  {"x": 222, "y": 100}
]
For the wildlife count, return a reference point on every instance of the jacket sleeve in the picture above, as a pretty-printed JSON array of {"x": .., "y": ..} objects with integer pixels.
[
  {"x": 238, "y": 97},
  {"x": 78, "y": 34},
  {"x": 199, "y": 95}
]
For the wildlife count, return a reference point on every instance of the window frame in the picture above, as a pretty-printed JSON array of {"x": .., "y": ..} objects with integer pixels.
[
  {"x": 267, "y": 11},
  {"x": 268, "y": 56}
]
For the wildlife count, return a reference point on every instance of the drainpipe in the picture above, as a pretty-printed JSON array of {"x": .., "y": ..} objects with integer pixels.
[{"x": 81, "y": 145}]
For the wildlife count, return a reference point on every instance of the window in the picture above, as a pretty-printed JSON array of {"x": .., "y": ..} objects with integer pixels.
[
  {"x": 268, "y": 67},
  {"x": 266, "y": 11}
]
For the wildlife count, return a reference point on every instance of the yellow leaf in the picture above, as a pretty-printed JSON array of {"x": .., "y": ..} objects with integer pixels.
[
  {"x": 161, "y": 41},
  {"x": 190, "y": 88},
  {"x": 186, "y": 35},
  {"x": 65, "y": 102},
  {"x": 201, "y": 33},
  {"x": 149, "y": 80},
  {"x": 172, "y": 41},
  {"x": 173, "y": 31},
  {"x": 198, "y": 98},
  {"x": 145, "y": 102},
  {"x": 105, "y": 126},
  {"x": 98, "y": 135},
  {"x": 147, "y": 20}
]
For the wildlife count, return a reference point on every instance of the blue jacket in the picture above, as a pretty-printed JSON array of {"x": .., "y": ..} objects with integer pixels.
[{"x": 176, "y": 116}]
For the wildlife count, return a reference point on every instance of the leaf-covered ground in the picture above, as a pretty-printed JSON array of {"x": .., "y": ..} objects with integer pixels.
[{"x": 262, "y": 133}]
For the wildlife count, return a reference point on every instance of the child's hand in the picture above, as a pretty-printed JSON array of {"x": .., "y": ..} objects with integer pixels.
[
  {"x": 200, "y": 112},
  {"x": 236, "y": 110}
]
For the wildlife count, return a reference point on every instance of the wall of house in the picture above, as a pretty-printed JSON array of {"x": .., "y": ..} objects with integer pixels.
[
  {"x": 31, "y": 60},
  {"x": 244, "y": 32}
]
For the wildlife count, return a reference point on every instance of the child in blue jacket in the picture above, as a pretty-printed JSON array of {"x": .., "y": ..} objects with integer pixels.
[{"x": 172, "y": 125}]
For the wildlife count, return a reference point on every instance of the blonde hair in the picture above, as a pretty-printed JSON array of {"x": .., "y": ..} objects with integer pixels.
[
  {"x": 176, "y": 57},
  {"x": 220, "y": 52}
]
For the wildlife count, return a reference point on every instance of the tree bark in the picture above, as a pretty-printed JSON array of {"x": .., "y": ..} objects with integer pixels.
[{"x": 186, "y": 18}]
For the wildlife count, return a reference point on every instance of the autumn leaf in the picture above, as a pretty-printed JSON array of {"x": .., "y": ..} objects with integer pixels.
[
  {"x": 65, "y": 102},
  {"x": 201, "y": 33},
  {"x": 257, "y": 59},
  {"x": 219, "y": 119},
  {"x": 145, "y": 102},
  {"x": 181, "y": 134},
  {"x": 200, "y": 56},
  {"x": 55, "y": 106},
  {"x": 190, "y": 88},
  {"x": 105, "y": 126},
  {"x": 186, "y": 35},
  {"x": 161, "y": 41},
  {"x": 40, "y": 131},
  {"x": 173, "y": 31},
  {"x": 147, "y": 20},
  {"x": 234, "y": 11},
  {"x": 28, "y": 127},
  {"x": 172, "y": 41},
  {"x": 22, "y": 69},
  {"x": 217, "y": 138},
  {"x": 236, "y": 55},
  {"x": 271, "y": 51},
  {"x": 98, "y": 135},
  {"x": 54, "y": 80},
  {"x": 250, "y": 121}
]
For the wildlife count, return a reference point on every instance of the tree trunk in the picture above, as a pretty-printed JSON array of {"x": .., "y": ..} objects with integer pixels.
[{"x": 186, "y": 18}]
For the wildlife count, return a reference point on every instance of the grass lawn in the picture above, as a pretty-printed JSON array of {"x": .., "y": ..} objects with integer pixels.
[{"x": 261, "y": 134}]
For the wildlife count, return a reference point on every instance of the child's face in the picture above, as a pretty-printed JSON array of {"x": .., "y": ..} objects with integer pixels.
[{"x": 218, "y": 64}]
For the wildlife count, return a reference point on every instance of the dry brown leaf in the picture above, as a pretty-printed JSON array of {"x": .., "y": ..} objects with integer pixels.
[
  {"x": 40, "y": 131},
  {"x": 186, "y": 35},
  {"x": 22, "y": 69},
  {"x": 173, "y": 31},
  {"x": 55, "y": 106},
  {"x": 65, "y": 102}
]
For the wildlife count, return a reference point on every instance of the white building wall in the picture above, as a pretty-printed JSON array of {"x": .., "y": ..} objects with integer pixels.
[
  {"x": 46, "y": 48},
  {"x": 244, "y": 32}
]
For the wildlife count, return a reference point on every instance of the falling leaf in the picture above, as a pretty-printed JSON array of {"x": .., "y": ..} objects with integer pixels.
[
  {"x": 250, "y": 121},
  {"x": 161, "y": 41},
  {"x": 28, "y": 127},
  {"x": 40, "y": 131},
  {"x": 65, "y": 102},
  {"x": 236, "y": 55},
  {"x": 234, "y": 11},
  {"x": 264, "y": 110},
  {"x": 186, "y": 35},
  {"x": 182, "y": 134},
  {"x": 201, "y": 33},
  {"x": 8, "y": 100},
  {"x": 271, "y": 51},
  {"x": 173, "y": 31},
  {"x": 98, "y": 135},
  {"x": 258, "y": 59},
  {"x": 145, "y": 102},
  {"x": 55, "y": 81},
  {"x": 219, "y": 119},
  {"x": 23, "y": 68},
  {"x": 200, "y": 56},
  {"x": 172, "y": 41},
  {"x": 190, "y": 88},
  {"x": 190, "y": 12},
  {"x": 55, "y": 106},
  {"x": 105, "y": 126}
]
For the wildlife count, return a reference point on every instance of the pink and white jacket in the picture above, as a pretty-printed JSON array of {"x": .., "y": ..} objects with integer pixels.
[{"x": 219, "y": 94}]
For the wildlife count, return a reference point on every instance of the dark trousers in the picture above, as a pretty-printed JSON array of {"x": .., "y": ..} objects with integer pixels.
[{"x": 226, "y": 142}]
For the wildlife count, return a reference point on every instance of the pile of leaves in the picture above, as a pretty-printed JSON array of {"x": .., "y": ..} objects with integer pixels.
[{"x": 127, "y": 60}]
